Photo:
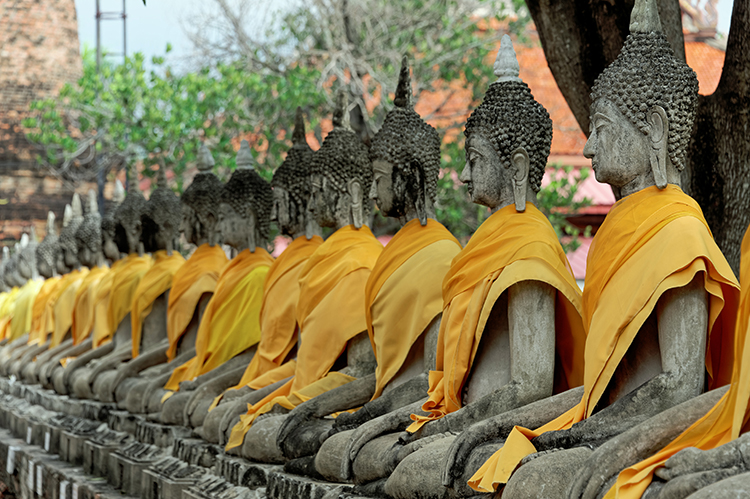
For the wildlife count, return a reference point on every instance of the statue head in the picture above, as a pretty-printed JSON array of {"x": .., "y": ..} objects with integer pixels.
[
  {"x": 245, "y": 208},
  {"x": 10, "y": 274},
  {"x": 128, "y": 217},
  {"x": 109, "y": 226},
  {"x": 340, "y": 174},
  {"x": 405, "y": 156},
  {"x": 161, "y": 219},
  {"x": 291, "y": 186},
  {"x": 67, "y": 259},
  {"x": 27, "y": 256},
  {"x": 643, "y": 109},
  {"x": 48, "y": 249},
  {"x": 3, "y": 264},
  {"x": 200, "y": 203},
  {"x": 89, "y": 234},
  {"x": 508, "y": 139}
]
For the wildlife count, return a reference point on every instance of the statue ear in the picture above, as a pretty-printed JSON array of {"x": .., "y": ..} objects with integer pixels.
[
  {"x": 420, "y": 202},
  {"x": 520, "y": 170},
  {"x": 354, "y": 188},
  {"x": 659, "y": 134}
]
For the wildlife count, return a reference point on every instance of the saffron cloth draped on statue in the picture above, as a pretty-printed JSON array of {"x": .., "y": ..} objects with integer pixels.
[
  {"x": 38, "y": 332},
  {"x": 7, "y": 312},
  {"x": 651, "y": 241},
  {"x": 330, "y": 312},
  {"x": 24, "y": 308},
  {"x": 278, "y": 318},
  {"x": 231, "y": 322},
  {"x": 197, "y": 276},
  {"x": 157, "y": 280},
  {"x": 102, "y": 334},
  {"x": 83, "y": 308},
  {"x": 726, "y": 421},
  {"x": 404, "y": 293},
  {"x": 509, "y": 247},
  {"x": 64, "y": 303},
  {"x": 124, "y": 284}
]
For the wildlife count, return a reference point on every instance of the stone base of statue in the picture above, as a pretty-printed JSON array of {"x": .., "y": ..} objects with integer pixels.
[
  {"x": 96, "y": 450},
  {"x": 168, "y": 477},
  {"x": 214, "y": 487}
]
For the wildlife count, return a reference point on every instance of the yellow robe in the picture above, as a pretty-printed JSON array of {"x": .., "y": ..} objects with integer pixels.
[
  {"x": 508, "y": 247},
  {"x": 39, "y": 325},
  {"x": 330, "y": 312},
  {"x": 102, "y": 334},
  {"x": 83, "y": 308},
  {"x": 64, "y": 304},
  {"x": 404, "y": 293},
  {"x": 157, "y": 280},
  {"x": 21, "y": 320},
  {"x": 278, "y": 317},
  {"x": 124, "y": 283},
  {"x": 650, "y": 242},
  {"x": 231, "y": 322},
  {"x": 7, "y": 311},
  {"x": 192, "y": 280},
  {"x": 726, "y": 421}
]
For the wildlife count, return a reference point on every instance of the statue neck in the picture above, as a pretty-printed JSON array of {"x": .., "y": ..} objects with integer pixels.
[
  {"x": 644, "y": 181},
  {"x": 507, "y": 198},
  {"x": 412, "y": 212}
]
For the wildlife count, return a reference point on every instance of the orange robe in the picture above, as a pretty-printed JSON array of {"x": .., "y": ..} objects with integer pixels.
[
  {"x": 39, "y": 325},
  {"x": 22, "y": 314},
  {"x": 404, "y": 293},
  {"x": 102, "y": 334},
  {"x": 192, "y": 280},
  {"x": 124, "y": 283},
  {"x": 7, "y": 312},
  {"x": 650, "y": 242},
  {"x": 726, "y": 421},
  {"x": 278, "y": 318},
  {"x": 157, "y": 280},
  {"x": 231, "y": 322},
  {"x": 508, "y": 247},
  {"x": 330, "y": 312},
  {"x": 83, "y": 308},
  {"x": 65, "y": 303}
]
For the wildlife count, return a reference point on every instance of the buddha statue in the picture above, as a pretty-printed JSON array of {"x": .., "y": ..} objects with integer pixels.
[
  {"x": 24, "y": 301},
  {"x": 192, "y": 286},
  {"x": 656, "y": 340},
  {"x": 160, "y": 223},
  {"x": 127, "y": 274},
  {"x": 230, "y": 328},
  {"x": 279, "y": 329},
  {"x": 491, "y": 359},
  {"x": 403, "y": 292},
  {"x": 333, "y": 347}
]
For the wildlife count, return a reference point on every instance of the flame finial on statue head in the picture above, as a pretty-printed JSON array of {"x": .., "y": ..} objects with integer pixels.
[
  {"x": 118, "y": 196},
  {"x": 298, "y": 136},
  {"x": 205, "y": 160},
  {"x": 341, "y": 110},
  {"x": 161, "y": 175},
  {"x": 75, "y": 205},
  {"x": 132, "y": 175},
  {"x": 644, "y": 18},
  {"x": 67, "y": 215},
  {"x": 403, "y": 89},
  {"x": 506, "y": 64},
  {"x": 92, "y": 206},
  {"x": 244, "y": 157}
]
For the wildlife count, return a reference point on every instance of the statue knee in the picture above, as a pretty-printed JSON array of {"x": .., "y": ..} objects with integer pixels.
[
  {"x": 547, "y": 476},
  {"x": 260, "y": 441}
]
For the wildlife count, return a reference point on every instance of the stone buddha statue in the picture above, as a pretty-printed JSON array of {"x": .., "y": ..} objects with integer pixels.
[
  {"x": 230, "y": 329},
  {"x": 109, "y": 247},
  {"x": 656, "y": 340},
  {"x": 341, "y": 174},
  {"x": 279, "y": 331},
  {"x": 405, "y": 156},
  {"x": 490, "y": 358},
  {"x": 193, "y": 286},
  {"x": 67, "y": 259}
]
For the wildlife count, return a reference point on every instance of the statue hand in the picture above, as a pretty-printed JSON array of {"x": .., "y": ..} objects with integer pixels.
[
  {"x": 364, "y": 434},
  {"x": 459, "y": 452},
  {"x": 188, "y": 385},
  {"x": 686, "y": 461},
  {"x": 554, "y": 440},
  {"x": 296, "y": 418},
  {"x": 583, "y": 484}
]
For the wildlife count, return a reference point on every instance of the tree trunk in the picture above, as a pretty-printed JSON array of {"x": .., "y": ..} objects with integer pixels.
[{"x": 581, "y": 37}]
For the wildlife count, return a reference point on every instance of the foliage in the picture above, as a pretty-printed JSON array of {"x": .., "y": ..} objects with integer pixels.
[{"x": 557, "y": 200}]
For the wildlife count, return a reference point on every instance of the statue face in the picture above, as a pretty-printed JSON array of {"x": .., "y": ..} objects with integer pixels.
[
  {"x": 71, "y": 258},
  {"x": 62, "y": 268},
  {"x": 109, "y": 247},
  {"x": 324, "y": 198},
  {"x": 188, "y": 222},
  {"x": 619, "y": 151},
  {"x": 24, "y": 269},
  {"x": 484, "y": 174},
  {"x": 235, "y": 228},
  {"x": 381, "y": 190}
]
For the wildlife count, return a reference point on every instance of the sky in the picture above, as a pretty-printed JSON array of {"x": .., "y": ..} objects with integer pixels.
[{"x": 151, "y": 27}]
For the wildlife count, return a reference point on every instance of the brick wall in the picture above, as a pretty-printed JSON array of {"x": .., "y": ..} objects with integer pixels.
[{"x": 39, "y": 52}]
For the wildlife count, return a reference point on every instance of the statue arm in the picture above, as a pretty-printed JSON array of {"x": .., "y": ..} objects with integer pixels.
[
  {"x": 682, "y": 316},
  {"x": 531, "y": 321},
  {"x": 84, "y": 359},
  {"x": 638, "y": 443},
  {"x": 213, "y": 388},
  {"x": 241, "y": 360},
  {"x": 155, "y": 356}
]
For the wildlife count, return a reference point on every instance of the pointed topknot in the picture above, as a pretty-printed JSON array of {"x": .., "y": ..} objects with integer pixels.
[
  {"x": 24, "y": 240},
  {"x": 298, "y": 136},
  {"x": 403, "y": 89},
  {"x": 132, "y": 179},
  {"x": 244, "y": 157},
  {"x": 205, "y": 160},
  {"x": 50, "y": 227},
  {"x": 119, "y": 194},
  {"x": 67, "y": 215},
  {"x": 161, "y": 175},
  {"x": 341, "y": 111},
  {"x": 644, "y": 18},
  {"x": 6, "y": 252},
  {"x": 76, "y": 206},
  {"x": 506, "y": 64},
  {"x": 91, "y": 204},
  {"x": 32, "y": 234}
]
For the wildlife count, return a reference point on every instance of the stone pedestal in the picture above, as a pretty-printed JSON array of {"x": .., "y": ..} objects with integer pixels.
[
  {"x": 168, "y": 477},
  {"x": 126, "y": 466}
]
